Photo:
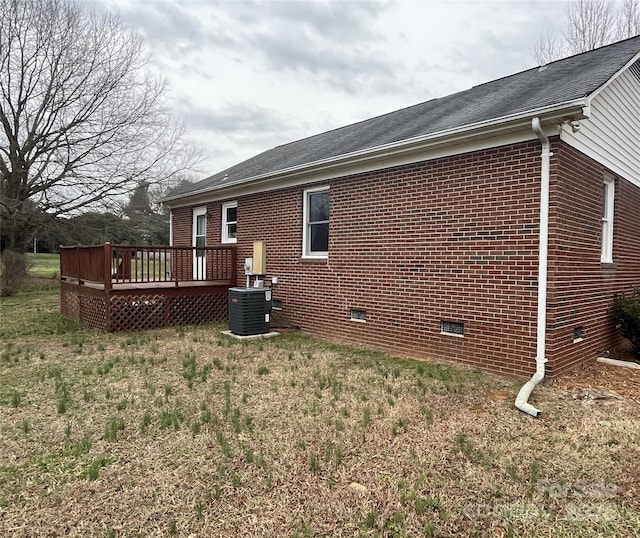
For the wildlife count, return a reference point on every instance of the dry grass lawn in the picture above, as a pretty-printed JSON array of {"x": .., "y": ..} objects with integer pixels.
[{"x": 186, "y": 432}]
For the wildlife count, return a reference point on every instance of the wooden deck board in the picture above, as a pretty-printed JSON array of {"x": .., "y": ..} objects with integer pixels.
[
  {"x": 168, "y": 285},
  {"x": 123, "y": 286}
]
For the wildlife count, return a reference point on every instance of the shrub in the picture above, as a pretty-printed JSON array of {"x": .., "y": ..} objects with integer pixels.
[
  {"x": 13, "y": 271},
  {"x": 626, "y": 311}
]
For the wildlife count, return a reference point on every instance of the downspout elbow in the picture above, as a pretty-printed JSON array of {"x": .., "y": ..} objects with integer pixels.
[
  {"x": 544, "y": 140},
  {"x": 522, "y": 399}
]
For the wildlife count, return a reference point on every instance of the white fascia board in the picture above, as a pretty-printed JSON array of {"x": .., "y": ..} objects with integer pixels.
[{"x": 483, "y": 135}]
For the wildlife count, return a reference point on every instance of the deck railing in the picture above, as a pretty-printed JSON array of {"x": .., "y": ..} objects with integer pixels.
[{"x": 130, "y": 264}]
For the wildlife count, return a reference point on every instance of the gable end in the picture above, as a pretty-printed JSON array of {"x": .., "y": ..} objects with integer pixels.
[
  {"x": 611, "y": 135},
  {"x": 635, "y": 69}
]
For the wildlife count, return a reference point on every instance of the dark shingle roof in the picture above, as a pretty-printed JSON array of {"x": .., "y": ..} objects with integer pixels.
[{"x": 559, "y": 82}]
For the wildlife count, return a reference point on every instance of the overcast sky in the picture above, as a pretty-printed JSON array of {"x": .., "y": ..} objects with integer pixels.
[{"x": 248, "y": 76}]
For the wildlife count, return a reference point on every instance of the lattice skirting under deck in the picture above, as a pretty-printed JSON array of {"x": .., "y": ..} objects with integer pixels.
[
  {"x": 86, "y": 306},
  {"x": 137, "y": 312}
]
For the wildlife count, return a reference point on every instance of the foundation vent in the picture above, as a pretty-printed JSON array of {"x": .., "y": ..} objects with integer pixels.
[
  {"x": 577, "y": 334},
  {"x": 455, "y": 328},
  {"x": 359, "y": 315}
]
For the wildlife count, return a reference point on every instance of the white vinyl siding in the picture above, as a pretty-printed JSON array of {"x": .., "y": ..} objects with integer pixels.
[{"x": 611, "y": 136}]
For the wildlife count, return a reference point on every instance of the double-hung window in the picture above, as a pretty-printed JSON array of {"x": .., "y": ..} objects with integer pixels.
[
  {"x": 608, "y": 193},
  {"x": 315, "y": 238},
  {"x": 229, "y": 222}
]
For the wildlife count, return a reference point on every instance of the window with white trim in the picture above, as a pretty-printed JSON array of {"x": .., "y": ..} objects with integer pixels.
[
  {"x": 608, "y": 193},
  {"x": 170, "y": 227},
  {"x": 229, "y": 222},
  {"x": 199, "y": 240},
  {"x": 200, "y": 227},
  {"x": 315, "y": 237}
]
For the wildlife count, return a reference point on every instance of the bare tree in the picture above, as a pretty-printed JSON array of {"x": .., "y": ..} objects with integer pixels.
[
  {"x": 549, "y": 48},
  {"x": 590, "y": 24},
  {"x": 82, "y": 119},
  {"x": 629, "y": 19}
]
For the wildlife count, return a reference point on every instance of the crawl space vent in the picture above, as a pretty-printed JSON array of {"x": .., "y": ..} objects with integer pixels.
[
  {"x": 359, "y": 315},
  {"x": 452, "y": 327}
]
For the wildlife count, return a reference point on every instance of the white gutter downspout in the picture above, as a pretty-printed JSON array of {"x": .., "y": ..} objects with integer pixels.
[{"x": 526, "y": 390}]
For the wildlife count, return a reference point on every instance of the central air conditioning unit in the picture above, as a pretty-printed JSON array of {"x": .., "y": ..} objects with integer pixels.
[{"x": 249, "y": 310}]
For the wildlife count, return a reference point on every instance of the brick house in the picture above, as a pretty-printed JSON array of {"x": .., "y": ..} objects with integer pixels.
[{"x": 491, "y": 227}]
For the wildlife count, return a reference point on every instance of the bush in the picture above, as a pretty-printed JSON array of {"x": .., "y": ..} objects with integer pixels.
[
  {"x": 13, "y": 271},
  {"x": 626, "y": 311}
]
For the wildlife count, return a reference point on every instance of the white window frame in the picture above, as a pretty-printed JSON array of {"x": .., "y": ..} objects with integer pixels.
[
  {"x": 306, "y": 238},
  {"x": 224, "y": 235},
  {"x": 606, "y": 255},
  {"x": 199, "y": 262},
  {"x": 170, "y": 227}
]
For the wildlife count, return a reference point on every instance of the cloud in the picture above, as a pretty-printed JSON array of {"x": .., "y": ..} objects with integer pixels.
[
  {"x": 329, "y": 43},
  {"x": 248, "y": 75},
  {"x": 236, "y": 118},
  {"x": 165, "y": 22},
  {"x": 348, "y": 69},
  {"x": 335, "y": 20},
  {"x": 333, "y": 44}
]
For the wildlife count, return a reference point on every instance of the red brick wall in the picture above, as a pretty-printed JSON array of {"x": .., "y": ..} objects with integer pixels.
[
  {"x": 182, "y": 219},
  {"x": 581, "y": 289},
  {"x": 451, "y": 239},
  {"x": 183, "y": 224},
  {"x": 214, "y": 224},
  {"x": 183, "y": 234}
]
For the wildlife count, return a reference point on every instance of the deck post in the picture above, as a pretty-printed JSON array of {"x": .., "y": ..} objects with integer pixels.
[
  {"x": 77, "y": 264},
  {"x": 107, "y": 286},
  {"x": 234, "y": 267},
  {"x": 107, "y": 266},
  {"x": 174, "y": 270}
]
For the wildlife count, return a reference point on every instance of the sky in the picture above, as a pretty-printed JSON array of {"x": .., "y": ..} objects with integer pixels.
[{"x": 249, "y": 76}]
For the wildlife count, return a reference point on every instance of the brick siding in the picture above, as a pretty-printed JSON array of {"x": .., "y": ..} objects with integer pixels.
[
  {"x": 581, "y": 289},
  {"x": 182, "y": 218},
  {"x": 452, "y": 239}
]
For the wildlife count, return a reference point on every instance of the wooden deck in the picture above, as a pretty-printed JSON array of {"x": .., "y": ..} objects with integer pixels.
[
  {"x": 127, "y": 288},
  {"x": 119, "y": 286}
]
